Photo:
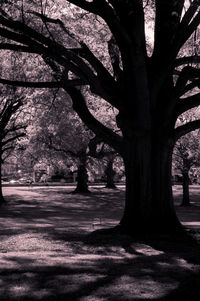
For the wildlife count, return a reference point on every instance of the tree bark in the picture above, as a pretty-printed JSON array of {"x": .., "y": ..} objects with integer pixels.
[
  {"x": 185, "y": 184},
  {"x": 2, "y": 200},
  {"x": 149, "y": 205},
  {"x": 109, "y": 172},
  {"x": 82, "y": 176}
]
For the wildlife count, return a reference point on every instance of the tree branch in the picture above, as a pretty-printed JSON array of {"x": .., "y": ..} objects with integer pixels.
[
  {"x": 187, "y": 60},
  {"x": 190, "y": 13},
  {"x": 188, "y": 25},
  {"x": 106, "y": 81},
  {"x": 89, "y": 6},
  {"x": 58, "y": 84},
  {"x": 107, "y": 135},
  {"x": 186, "y": 104},
  {"x": 8, "y": 112},
  {"x": 186, "y": 128},
  {"x": 12, "y": 129},
  {"x": 188, "y": 73},
  {"x": 16, "y": 47},
  {"x": 18, "y": 135}
]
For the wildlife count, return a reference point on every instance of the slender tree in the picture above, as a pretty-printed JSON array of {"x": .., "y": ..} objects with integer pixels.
[
  {"x": 98, "y": 150},
  {"x": 148, "y": 90}
]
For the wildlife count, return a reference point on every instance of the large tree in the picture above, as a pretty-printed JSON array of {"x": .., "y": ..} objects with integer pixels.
[
  {"x": 12, "y": 125},
  {"x": 61, "y": 134},
  {"x": 149, "y": 90}
]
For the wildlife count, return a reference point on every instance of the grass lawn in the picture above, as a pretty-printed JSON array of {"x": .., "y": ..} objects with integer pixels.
[{"x": 49, "y": 250}]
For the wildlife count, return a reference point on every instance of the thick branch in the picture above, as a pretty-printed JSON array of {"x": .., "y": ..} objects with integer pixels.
[
  {"x": 188, "y": 103},
  {"x": 188, "y": 73},
  {"x": 188, "y": 25},
  {"x": 58, "y": 84},
  {"x": 194, "y": 59},
  {"x": 41, "y": 44},
  {"x": 9, "y": 111},
  {"x": 98, "y": 153},
  {"x": 190, "y": 13},
  {"x": 16, "y": 47},
  {"x": 107, "y": 135},
  {"x": 89, "y": 6},
  {"x": 186, "y": 128},
  {"x": 104, "y": 84},
  {"x": 106, "y": 11},
  {"x": 191, "y": 86}
]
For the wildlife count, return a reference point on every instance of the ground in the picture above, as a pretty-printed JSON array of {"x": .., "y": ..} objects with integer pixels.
[{"x": 51, "y": 249}]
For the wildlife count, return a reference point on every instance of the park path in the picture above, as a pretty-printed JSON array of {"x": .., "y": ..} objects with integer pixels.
[{"x": 46, "y": 250}]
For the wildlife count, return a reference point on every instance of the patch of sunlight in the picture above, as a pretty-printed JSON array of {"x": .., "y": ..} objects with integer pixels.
[
  {"x": 19, "y": 290},
  {"x": 95, "y": 257},
  {"x": 93, "y": 298},
  {"x": 183, "y": 263},
  {"x": 32, "y": 242},
  {"x": 43, "y": 225},
  {"x": 42, "y": 293},
  {"x": 178, "y": 262},
  {"x": 126, "y": 287},
  {"x": 194, "y": 223},
  {"x": 147, "y": 250}
]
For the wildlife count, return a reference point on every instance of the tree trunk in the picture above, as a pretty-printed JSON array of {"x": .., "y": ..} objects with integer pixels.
[
  {"x": 149, "y": 201},
  {"x": 186, "y": 181},
  {"x": 2, "y": 200},
  {"x": 82, "y": 176},
  {"x": 110, "y": 173}
]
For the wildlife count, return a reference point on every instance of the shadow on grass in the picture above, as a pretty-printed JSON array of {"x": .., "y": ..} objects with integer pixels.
[{"x": 50, "y": 251}]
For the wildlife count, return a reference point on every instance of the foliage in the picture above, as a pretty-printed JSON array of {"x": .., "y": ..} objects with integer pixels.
[
  {"x": 12, "y": 120},
  {"x": 101, "y": 45}
]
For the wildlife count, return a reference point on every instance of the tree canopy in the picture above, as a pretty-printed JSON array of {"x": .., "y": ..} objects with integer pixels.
[{"x": 104, "y": 45}]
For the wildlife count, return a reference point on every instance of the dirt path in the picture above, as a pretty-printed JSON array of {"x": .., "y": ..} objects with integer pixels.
[{"x": 47, "y": 254}]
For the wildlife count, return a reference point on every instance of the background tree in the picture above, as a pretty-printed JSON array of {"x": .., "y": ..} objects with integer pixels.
[
  {"x": 148, "y": 90},
  {"x": 61, "y": 134},
  {"x": 12, "y": 125},
  {"x": 98, "y": 149},
  {"x": 187, "y": 155}
]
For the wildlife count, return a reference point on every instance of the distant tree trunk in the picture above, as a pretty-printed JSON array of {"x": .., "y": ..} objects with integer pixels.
[
  {"x": 82, "y": 176},
  {"x": 185, "y": 184},
  {"x": 2, "y": 200},
  {"x": 149, "y": 201},
  {"x": 110, "y": 173}
]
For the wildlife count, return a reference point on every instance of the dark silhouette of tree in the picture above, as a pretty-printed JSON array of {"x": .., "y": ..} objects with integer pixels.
[
  {"x": 98, "y": 150},
  {"x": 12, "y": 127},
  {"x": 149, "y": 91},
  {"x": 186, "y": 156},
  {"x": 109, "y": 172}
]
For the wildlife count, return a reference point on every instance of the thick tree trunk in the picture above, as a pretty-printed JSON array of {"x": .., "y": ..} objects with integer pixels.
[
  {"x": 110, "y": 173},
  {"x": 186, "y": 196},
  {"x": 82, "y": 176},
  {"x": 149, "y": 201}
]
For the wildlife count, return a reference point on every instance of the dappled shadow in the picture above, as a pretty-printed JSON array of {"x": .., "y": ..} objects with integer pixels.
[
  {"x": 144, "y": 273},
  {"x": 49, "y": 250}
]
